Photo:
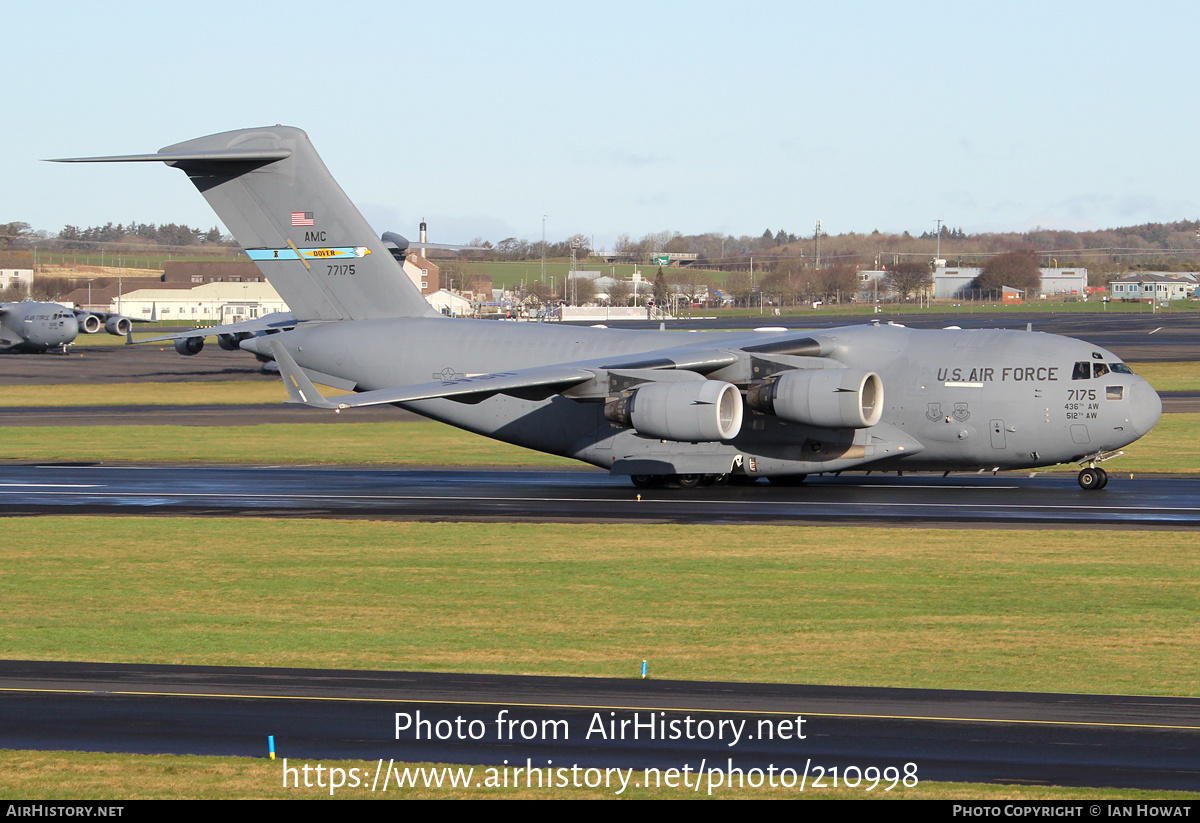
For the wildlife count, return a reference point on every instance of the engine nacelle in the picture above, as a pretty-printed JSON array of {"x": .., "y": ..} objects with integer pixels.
[
  {"x": 829, "y": 398},
  {"x": 88, "y": 323},
  {"x": 188, "y": 346},
  {"x": 231, "y": 342},
  {"x": 686, "y": 411},
  {"x": 118, "y": 325}
]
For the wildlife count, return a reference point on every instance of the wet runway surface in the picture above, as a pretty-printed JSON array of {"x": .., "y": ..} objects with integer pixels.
[
  {"x": 1041, "y": 739},
  {"x": 456, "y": 494}
]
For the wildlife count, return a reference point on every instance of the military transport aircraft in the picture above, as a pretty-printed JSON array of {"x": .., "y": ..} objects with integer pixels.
[
  {"x": 679, "y": 408},
  {"x": 39, "y": 327}
]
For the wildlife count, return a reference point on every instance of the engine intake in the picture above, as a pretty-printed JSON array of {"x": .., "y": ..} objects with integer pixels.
[
  {"x": 118, "y": 325},
  {"x": 687, "y": 411},
  {"x": 829, "y": 398},
  {"x": 89, "y": 323}
]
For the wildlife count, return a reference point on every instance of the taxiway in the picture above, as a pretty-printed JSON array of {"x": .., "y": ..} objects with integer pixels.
[{"x": 1042, "y": 739}]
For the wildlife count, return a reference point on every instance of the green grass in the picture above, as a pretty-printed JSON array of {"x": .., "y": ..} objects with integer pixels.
[
  {"x": 132, "y": 260},
  {"x": 960, "y": 609},
  {"x": 1183, "y": 376},
  {"x": 231, "y": 392},
  {"x": 145, "y": 331},
  {"x": 32, "y": 775},
  {"x": 413, "y": 443},
  {"x": 1173, "y": 447}
]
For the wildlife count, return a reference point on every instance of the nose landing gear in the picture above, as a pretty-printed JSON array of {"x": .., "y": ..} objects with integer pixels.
[{"x": 1093, "y": 478}]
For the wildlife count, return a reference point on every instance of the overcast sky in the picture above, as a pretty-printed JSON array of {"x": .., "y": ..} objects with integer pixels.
[{"x": 622, "y": 117}]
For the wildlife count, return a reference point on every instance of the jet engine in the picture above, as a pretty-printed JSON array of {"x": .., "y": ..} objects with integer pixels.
[
  {"x": 829, "y": 398},
  {"x": 118, "y": 325},
  {"x": 189, "y": 345},
  {"x": 232, "y": 342},
  {"x": 88, "y": 323},
  {"x": 686, "y": 411}
]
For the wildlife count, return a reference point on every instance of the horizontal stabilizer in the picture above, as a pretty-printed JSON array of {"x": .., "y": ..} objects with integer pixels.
[{"x": 218, "y": 156}]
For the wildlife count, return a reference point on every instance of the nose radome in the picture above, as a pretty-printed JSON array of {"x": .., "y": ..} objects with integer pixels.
[{"x": 1145, "y": 407}]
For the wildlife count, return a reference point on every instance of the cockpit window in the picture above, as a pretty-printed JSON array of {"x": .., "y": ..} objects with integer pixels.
[
  {"x": 1120, "y": 368},
  {"x": 1099, "y": 370},
  {"x": 1083, "y": 370},
  {"x": 1114, "y": 392}
]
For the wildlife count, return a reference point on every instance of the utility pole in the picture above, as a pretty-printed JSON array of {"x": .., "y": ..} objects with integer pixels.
[
  {"x": 574, "y": 271},
  {"x": 817, "y": 238},
  {"x": 543, "y": 248}
]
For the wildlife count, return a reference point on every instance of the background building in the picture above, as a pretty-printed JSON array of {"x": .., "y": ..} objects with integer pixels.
[{"x": 1154, "y": 285}]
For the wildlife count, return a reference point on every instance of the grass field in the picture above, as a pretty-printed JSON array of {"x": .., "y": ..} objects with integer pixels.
[
  {"x": 145, "y": 332},
  {"x": 232, "y": 392},
  {"x": 1074, "y": 611},
  {"x": 413, "y": 443},
  {"x": 1169, "y": 376},
  {"x": 122, "y": 777}
]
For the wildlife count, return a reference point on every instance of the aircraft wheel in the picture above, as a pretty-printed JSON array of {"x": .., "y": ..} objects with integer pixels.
[
  {"x": 687, "y": 481},
  {"x": 1091, "y": 479},
  {"x": 787, "y": 479},
  {"x": 647, "y": 481}
]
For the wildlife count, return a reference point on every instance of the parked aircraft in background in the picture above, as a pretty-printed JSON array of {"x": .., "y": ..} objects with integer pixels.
[
  {"x": 30, "y": 327},
  {"x": 678, "y": 408}
]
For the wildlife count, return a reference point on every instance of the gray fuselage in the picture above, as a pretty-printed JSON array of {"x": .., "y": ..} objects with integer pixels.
[
  {"x": 953, "y": 399},
  {"x": 36, "y": 327}
]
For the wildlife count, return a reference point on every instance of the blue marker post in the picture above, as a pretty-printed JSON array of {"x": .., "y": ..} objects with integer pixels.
[
  {"x": 643, "y": 670},
  {"x": 271, "y": 745}
]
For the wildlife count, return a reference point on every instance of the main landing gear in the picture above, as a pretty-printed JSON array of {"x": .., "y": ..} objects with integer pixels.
[
  {"x": 1093, "y": 478},
  {"x": 678, "y": 481}
]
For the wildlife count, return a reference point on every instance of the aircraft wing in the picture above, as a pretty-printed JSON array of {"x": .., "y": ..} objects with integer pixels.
[
  {"x": 276, "y": 321},
  {"x": 476, "y": 387},
  {"x": 689, "y": 361}
]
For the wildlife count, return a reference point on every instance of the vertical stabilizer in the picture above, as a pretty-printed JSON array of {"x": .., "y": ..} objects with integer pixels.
[{"x": 273, "y": 192}]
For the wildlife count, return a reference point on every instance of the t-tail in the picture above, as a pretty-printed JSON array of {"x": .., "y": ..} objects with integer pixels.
[{"x": 272, "y": 191}]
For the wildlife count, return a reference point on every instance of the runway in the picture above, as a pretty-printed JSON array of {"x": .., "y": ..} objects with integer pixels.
[
  {"x": 1041, "y": 739},
  {"x": 590, "y": 496}
]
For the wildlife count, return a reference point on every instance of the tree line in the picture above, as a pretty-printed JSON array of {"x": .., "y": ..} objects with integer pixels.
[
  {"x": 167, "y": 234},
  {"x": 1173, "y": 245}
]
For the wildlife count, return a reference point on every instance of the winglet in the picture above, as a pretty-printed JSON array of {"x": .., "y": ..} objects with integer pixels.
[{"x": 299, "y": 388}]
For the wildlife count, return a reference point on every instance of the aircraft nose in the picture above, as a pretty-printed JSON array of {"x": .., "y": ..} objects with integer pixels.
[{"x": 1145, "y": 407}]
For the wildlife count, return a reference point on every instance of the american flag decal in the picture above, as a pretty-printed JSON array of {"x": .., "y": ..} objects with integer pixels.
[{"x": 302, "y": 218}]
